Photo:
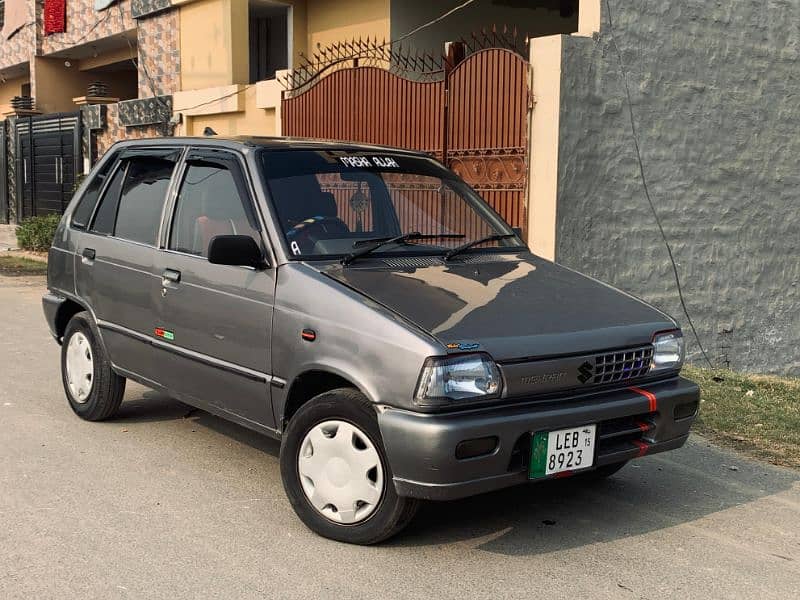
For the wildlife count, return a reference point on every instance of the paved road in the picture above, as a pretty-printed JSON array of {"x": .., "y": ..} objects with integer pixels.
[
  {"x": 8, "y": 237},
  {"x": 160, "y": 505}
]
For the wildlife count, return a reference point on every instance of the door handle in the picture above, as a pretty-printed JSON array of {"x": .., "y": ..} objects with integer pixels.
[
  {"x": 88, "y": 253},
  {"x": 170, "y": 276}
]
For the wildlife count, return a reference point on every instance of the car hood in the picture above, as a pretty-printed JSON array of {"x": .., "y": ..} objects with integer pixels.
[{"x": 512, "y": 306}]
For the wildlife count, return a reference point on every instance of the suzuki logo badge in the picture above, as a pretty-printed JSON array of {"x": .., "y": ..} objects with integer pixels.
[{"x": 585, "y": 372}]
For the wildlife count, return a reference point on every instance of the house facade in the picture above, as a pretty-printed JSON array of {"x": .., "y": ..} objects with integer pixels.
[{"x": 712, "y": 90}]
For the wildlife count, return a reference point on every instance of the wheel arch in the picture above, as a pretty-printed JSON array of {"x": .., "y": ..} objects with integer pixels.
[
  {"x": 68, "y": 309},
  {"x": 309, "y": 384}
]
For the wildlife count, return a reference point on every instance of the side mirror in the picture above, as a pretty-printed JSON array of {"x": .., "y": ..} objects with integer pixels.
[{"x": 235, "y": 250}]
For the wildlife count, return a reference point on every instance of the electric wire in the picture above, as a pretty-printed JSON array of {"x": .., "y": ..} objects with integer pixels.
[{"x": 646, "y": 187}]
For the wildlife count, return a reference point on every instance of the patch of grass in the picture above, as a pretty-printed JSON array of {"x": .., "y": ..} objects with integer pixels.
[
  {"x": 758, "y": 414},
  {"x": 18, "y": 265}
]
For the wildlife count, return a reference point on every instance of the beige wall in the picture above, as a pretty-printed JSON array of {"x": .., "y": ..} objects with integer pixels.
[
  {"x": 9, "y": 89},
  {"x": 344, "y": 20},
  {"x": 214, "y": 38},
  {"x": 252, "y": 120},
  {"x": 55, "y": 85}
]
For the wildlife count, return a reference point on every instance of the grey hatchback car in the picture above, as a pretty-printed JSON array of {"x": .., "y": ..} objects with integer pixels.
[{"x": 364, "y": 306}]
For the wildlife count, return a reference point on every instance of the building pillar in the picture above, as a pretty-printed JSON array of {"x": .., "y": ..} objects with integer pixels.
[{"x": 545, "y": 62}]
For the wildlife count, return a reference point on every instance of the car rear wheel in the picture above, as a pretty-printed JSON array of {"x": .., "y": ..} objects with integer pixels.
[
  {"x": 93, "y": 389},
  {"x": 335, "y": 471}
]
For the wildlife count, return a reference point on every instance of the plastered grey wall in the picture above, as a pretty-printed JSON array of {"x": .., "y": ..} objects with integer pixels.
[{"x": 716, "y": 98}]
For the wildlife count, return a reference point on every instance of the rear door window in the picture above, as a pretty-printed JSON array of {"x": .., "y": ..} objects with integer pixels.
[
  {"x": 132, "y": 204},
  {"x": 142, "y": 198}
]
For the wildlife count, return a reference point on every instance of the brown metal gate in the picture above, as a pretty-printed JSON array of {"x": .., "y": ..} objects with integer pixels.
[{"x": 473, "y": 118}]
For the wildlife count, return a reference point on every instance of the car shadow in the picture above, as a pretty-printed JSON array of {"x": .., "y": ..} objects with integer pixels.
[
  {"x": 148, "y": 406},
  {"x": 649, "y": 494}
]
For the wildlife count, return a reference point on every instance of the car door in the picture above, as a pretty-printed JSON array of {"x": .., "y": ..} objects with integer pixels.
[
  {"x": 115, "y": 257},
  {"x": 217, "y": 319}
]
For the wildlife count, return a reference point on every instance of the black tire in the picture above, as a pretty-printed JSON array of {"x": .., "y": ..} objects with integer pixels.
[
  {"x": 107, "y": 388},
  {"x": 603, "y": 472},
  {"x": 392, "y": 513}
]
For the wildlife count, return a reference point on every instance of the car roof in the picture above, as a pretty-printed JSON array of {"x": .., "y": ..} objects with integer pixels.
[{"x": 271, "y": 143}]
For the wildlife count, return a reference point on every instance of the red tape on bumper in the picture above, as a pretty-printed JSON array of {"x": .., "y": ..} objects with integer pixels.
[
  {"x": 651, "y": 397},
  {"x": 642, "y": 447}
]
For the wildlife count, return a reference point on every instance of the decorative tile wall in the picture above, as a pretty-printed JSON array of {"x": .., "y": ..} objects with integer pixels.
[
  {"x": 145, "y": 111},
  {"x": 22, "y": 45},
  {"x": 115, "y": 131},
  {"x": 142, "y": 8},
  {"x": 85, "y": 24},
  {"x": 159, "y": 54}
]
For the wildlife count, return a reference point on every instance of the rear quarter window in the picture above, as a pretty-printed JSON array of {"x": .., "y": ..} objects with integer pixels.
[{"x": 83, "y": 211}]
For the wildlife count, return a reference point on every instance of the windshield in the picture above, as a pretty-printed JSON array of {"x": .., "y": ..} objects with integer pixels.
[{"x": 331, "y": 203}]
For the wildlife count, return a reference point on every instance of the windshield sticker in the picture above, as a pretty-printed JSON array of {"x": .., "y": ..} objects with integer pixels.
[{"x": 367, "y": 162}]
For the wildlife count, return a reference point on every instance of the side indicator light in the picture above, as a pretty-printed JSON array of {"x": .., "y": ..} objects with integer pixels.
[
  {"x": 164, "y": 334},
  {"x": 308, "y": 335}
]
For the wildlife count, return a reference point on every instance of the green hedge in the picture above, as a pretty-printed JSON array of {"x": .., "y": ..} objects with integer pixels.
[{"x": 36, "y": 233}]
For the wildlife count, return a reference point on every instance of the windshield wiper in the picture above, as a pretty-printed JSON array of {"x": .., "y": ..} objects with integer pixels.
[
  {"x": 489, "y": 238},
  {"x": 399, "y": 239}
]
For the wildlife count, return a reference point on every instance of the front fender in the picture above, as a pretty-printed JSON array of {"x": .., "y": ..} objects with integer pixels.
[{"x": 356, "y": 338}]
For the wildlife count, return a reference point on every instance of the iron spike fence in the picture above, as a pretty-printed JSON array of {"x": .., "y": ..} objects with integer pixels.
[{"x": 399, "y": 58}]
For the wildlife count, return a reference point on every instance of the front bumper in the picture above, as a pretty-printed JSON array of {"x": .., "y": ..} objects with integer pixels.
[{"x": 631, "y": 422}]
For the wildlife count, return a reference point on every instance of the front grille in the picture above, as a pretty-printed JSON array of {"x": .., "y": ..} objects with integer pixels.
[{"x": 622, "y": 365}]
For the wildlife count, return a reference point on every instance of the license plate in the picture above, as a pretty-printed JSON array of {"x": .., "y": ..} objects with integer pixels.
[{"x": 561, "y": 451}]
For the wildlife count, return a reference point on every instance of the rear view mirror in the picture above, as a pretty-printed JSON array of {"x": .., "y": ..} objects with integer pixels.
[{"x": 235, "y": 250}]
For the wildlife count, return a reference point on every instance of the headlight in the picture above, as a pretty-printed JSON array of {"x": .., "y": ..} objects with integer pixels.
[
  {"x": 466, "y": 377},
  {"x": 668, "y": 351}
]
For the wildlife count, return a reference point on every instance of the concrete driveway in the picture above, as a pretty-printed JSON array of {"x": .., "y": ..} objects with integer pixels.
[{"x": 167, "y": 503}]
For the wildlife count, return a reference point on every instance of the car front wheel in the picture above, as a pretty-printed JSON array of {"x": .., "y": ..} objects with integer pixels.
[
  {"x": 335, "y": 471},
  {"x": 93, "y": 389}
]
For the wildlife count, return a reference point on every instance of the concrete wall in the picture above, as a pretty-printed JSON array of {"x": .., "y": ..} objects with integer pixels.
[
  {"x": 532, "y": 20},
  {"x": 715, "y": 98}
]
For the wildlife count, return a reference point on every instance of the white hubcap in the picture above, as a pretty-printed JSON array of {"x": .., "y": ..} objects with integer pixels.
[
  {"x": 80, "y": 367},
  {"x": 340, "y": 471}
]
